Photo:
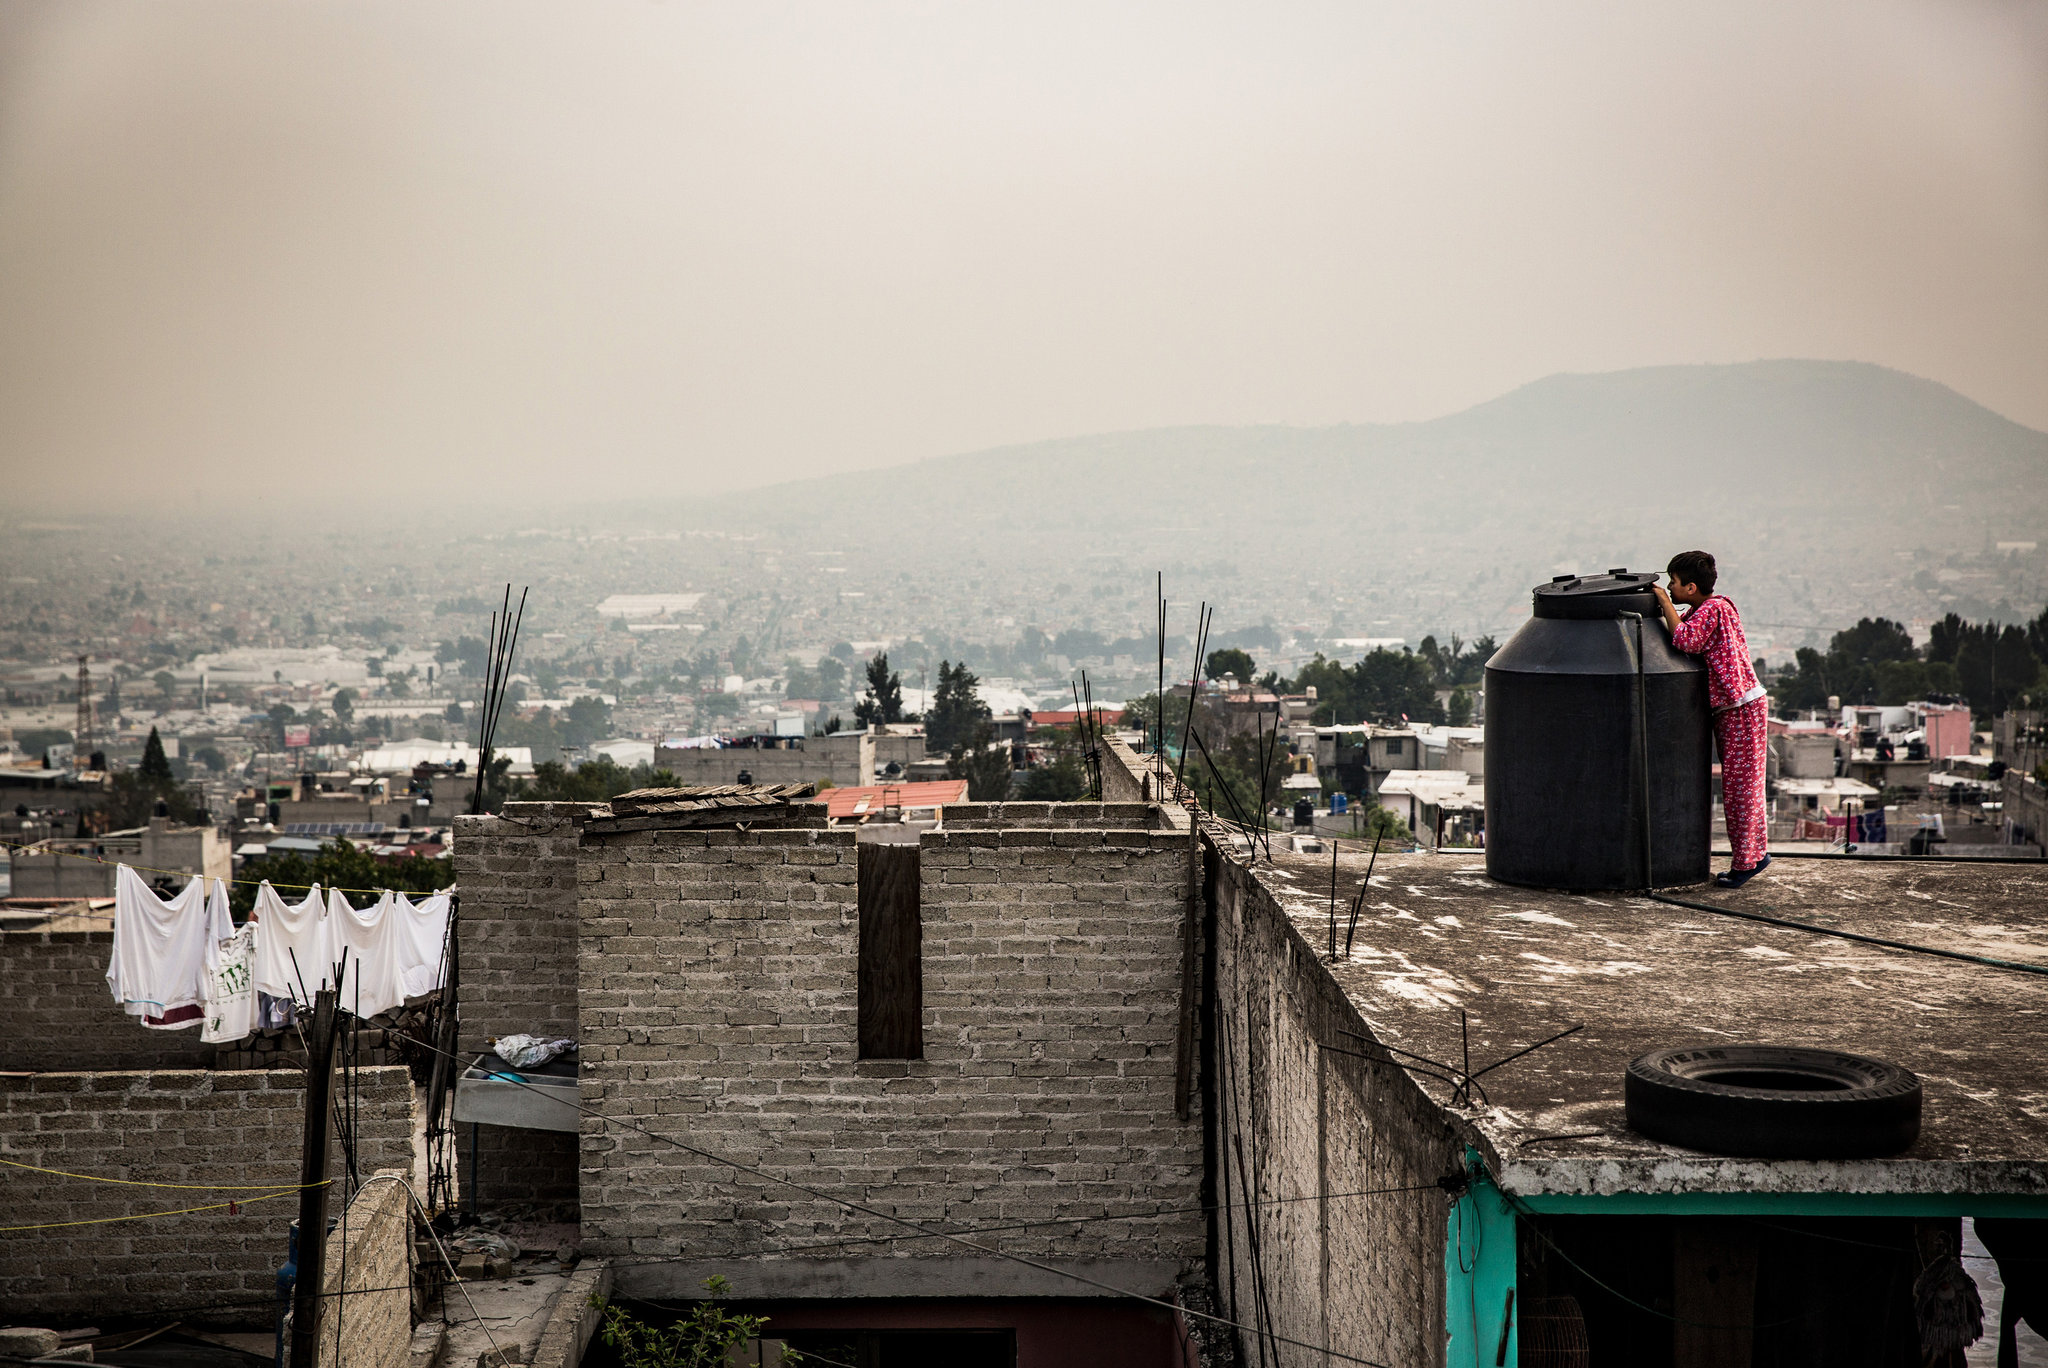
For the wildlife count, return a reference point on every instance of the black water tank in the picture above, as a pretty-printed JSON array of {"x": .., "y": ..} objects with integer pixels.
[{"x": 1564, "y": 771}]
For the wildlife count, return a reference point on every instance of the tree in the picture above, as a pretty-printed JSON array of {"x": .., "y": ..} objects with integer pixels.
[
  {"x": 883, "y": 702},
  {"x": 166, "y": 683},
  {"x": 155, "y": 768},
  {"x": 1384, "y": 687},
  {"x": 1230, "y": 661},
  {"x": 343, "y": 703},
  {"x": 1061, "y": 776},
  {"x": 957, "y": 712},
  {"x": 453, "y": 712},
  {"x": 984, "y": 763},
  {"x": 1381, "y": 823},
  {"x": 357, "y": 873},
  {"x": 1460, "y": 711},
  {"x": 1229, "y": 777}
]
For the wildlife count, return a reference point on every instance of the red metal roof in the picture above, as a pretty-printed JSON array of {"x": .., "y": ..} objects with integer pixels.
[{"x": 868, "y": 799}]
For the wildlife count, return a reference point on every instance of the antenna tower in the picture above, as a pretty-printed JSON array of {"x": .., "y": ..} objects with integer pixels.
[{"x": 81, "y": 746}]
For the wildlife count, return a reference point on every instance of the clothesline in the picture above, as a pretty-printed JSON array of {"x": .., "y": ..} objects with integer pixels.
[
  {"x": 181, "y": 961},
  {"x": 188, "y": 874},
  {"x": 181, "y": 1187}
]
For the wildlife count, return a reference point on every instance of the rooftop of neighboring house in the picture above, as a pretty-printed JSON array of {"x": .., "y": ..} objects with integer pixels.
[
  {"x": 1436, "y": 939},
  {"x": 860, "y": 802}
]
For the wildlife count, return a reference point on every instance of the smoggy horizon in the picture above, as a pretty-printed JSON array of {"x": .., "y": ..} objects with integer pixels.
[{"x": 526, "y": 255}]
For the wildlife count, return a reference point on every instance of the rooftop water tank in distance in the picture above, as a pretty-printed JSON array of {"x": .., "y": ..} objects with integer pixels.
[{"x": 1565, "y": 771}]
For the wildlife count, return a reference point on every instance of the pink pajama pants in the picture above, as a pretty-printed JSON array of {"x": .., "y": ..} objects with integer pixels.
[{"x": 1743, "y": 734}]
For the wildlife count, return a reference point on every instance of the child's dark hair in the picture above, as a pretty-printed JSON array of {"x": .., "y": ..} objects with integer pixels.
[{"x": 1693, "y": 567}]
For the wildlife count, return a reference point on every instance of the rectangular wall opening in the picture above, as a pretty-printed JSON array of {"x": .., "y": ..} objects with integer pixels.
[{"x": 890, "y": 990}]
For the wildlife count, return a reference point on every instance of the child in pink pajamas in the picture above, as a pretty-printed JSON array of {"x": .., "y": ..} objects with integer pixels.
[{"x": 1712, "y": 628}]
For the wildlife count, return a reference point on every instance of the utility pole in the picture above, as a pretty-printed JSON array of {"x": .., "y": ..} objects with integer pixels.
[
  {"x": 306, "y": 1298},
  {"x": 81, "y": 745}
]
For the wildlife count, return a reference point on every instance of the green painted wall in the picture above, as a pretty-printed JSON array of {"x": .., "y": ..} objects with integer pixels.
[{"x": 1480, "y": 1230}]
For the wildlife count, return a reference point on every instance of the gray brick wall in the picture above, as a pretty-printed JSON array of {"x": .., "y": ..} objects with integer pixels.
[
  {"x": 367, "y": 1315},
  {"x": 56, "y": 1012},
  {"x": 1127, "y": 816},
  {"x": 1363, "y": 1275},
  {"x": 718, "y": 1003},
  {"x": 517, "y": 931},
  {"x": 187, "y": 1126}
]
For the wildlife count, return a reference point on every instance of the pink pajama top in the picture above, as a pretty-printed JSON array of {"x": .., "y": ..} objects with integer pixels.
[{"x": 1714, "y": 630}]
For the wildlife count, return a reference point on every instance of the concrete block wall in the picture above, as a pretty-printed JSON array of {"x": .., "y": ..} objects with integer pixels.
[
  {"x": 56, "y": 1012},
  {"x": 1126, "y": 816},
  {"x": 366, "y": 1321},
  {"x": 183, "y": 1126},
  {"x": 1362, "y": 1274},
  {"x": 517, "y": 934},
  {"x": 718, "y": 996}
]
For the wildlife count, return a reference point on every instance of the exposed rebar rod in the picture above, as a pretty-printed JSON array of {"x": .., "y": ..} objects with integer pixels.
[{"x": 1358, "y": 903}]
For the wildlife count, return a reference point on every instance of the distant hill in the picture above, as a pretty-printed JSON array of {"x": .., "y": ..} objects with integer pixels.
[
  {"x": 1829, "y": 483},
  {"x": 1668, "y": 437}
]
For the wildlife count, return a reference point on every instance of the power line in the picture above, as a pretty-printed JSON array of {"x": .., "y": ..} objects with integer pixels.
[{"x": 1818, "y": 930}]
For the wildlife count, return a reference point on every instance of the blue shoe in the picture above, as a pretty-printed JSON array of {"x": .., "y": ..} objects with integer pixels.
[{"x": 1736, "y": 878}]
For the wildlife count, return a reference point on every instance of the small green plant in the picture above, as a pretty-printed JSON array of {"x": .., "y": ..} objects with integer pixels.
[{"x": 705, "y": 1337}]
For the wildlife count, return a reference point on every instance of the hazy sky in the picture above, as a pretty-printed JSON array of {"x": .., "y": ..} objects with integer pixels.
[{"x": 393, "y": 251}]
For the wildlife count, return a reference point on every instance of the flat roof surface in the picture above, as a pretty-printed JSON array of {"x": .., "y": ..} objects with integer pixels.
[{"x": 1436, "y": 936}]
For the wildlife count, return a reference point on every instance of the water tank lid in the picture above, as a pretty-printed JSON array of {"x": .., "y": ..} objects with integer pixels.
[
  {"x": 1597, "y": 596},
  {"x": 1588, "y": 586}
]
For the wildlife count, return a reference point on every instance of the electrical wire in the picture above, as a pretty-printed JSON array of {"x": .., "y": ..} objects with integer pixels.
[{"x": 1989, "y": 961}]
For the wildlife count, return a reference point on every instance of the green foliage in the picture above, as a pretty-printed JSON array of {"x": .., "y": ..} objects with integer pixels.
[
  {"x": 584, "y": 721},
  {"x": 1874, "y": 662},
  {"x": 1383, "y": 687},
  {"x": 1381, "y": 823},
  {"x": 132, "y": 800},
  {"x": 36, "y": 740},
  {"x": 983, "y": 762},
  {"x": 1460, "y": 712},
  {"x": 343, "y": 703},
  {"x": 341, "y": 865},
  {"x": 155, "y": 768},
  {"x": 957, "y": 712},
  {"x": 1229, "y": 779},
  {"x": 1061, "y": 778},
  {"x": 554, "y": 782},
  {"x": 827, "y": 681},
  {"x": 166, "y": 683},
  {"x": 211, "y": 757},
  {"x": 1230, "y": 661},
  {"x": 703, "y": 1337},
  {"x": 883, "y": 702},
  {"x": 1456, "y": 664}
]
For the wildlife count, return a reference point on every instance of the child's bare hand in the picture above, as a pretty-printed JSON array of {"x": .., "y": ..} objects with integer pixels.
[{"x": 1663, "y": 599}]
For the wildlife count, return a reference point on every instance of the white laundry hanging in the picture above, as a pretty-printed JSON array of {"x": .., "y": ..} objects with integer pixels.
[
  {"x": 158, "y": 969},
  {"x": 371, "y": 948},
  {"x": 423, "y": 933},
  {"x": 231, "y": 987},
  {"x": 295, "y": 947}
]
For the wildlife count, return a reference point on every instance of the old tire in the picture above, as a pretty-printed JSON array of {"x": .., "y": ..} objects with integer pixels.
[{"x": 1773, "y": 1102}]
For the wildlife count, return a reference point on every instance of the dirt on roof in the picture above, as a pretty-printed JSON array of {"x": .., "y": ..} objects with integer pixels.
[{"x": 1437, "y": 938}]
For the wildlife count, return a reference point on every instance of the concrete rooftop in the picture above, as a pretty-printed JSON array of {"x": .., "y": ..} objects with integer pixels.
[{"x": 1437, "y": 936}]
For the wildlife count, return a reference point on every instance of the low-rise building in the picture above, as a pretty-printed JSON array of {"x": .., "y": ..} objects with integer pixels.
[{"x": 84, "y": 867}]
